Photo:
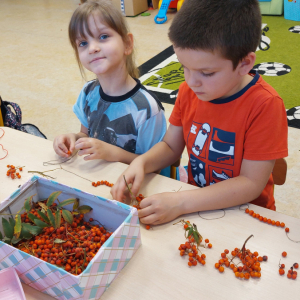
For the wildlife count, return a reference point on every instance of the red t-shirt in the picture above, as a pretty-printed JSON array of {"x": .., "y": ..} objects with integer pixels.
[{"x": 219, "y": 134}]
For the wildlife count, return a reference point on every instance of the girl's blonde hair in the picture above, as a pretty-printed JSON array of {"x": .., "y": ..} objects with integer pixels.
[{"x": 111, "y": 16}]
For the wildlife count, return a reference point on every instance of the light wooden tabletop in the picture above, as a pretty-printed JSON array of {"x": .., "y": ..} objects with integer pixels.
[{"x": 157, "y": 271}]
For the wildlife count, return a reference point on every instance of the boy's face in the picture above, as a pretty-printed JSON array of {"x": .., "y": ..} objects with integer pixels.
[{"x": 208, "y": 74}]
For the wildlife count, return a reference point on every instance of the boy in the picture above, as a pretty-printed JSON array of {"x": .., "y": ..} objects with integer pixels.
[{"x": 231, "y": 121}]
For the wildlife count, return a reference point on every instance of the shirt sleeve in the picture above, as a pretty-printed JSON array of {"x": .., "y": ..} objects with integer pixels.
[
  {"x": 175, "y": 118},
  {"x": 266, "y": 136},
  {"x": 79, "y": 106},
  {"x": 151, "y": 132}
]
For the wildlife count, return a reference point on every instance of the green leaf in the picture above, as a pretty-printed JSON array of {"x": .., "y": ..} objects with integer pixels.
[
  {"x": 31, "y": 216},
  {"x": 83, "y": 209},
  {"x": 67, "y": 216},
  {"x": 51, "y": 217},
  {"x": 52, "y": 198},
  {"x": 7, "y": 228},
  {"x": 12, "y": 222},
  {"x": 190, "y": 231},
  {"x": 59, "y": 241},
  {"x": 7, "y": 240},
  {"x": 25, "y": 234},
  {"x": 18, "y": 226},
  {"x": 27, "y": 204},
  {"x": 57, "y": 219},
  {"x": 196, "y": 237},
  {"x": 43, "y": 216},
  {"x": 76, "y": 204},
  {"x": 35, "y": 230},
  {"x": 1, "y": 236},
  {"x": 15, "y": 240},
  {"x": 66, "y": 202},
  {"x": 41, "y": 223}
]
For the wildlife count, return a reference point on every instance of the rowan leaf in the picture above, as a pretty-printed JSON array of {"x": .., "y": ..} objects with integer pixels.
[
  {"x": 25, "y": 234},
  {"x": 18, "y": 226},
  {"x": 52, "y": 198},
  {"x": 12, "y": 222},
  {"x": 67, "y": 202},
  {"x": 57, "y": 219},
  {"x": 41, "y": 223},
  {"x": 76, "y": 204},
  {"x": 68, "y": 217},
  {"x": 27, "y": 204},
  {"x": 35, "y": 230},
  {"x": 51, "y": 217},
  {"x": 43, "y": 216},
  {"x": 83, "y": 209},
  {"x": 43, "y": 206},
  {"x": 8, "y": 229},
  {"x": 31, "y": 216},
  {"x": 1, "y": 236},
  {"x": 15, "y": 240}
]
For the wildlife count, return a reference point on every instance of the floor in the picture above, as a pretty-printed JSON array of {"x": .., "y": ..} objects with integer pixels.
[{"x": 40, "y": 73}]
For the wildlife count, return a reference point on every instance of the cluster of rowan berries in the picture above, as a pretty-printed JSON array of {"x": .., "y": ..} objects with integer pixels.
[
  {"x": 265, "y": 220},
  {"x": 191, "y": 246},
  {"x": 71, "y": 246},
  {"x": 251, "y": 262},
  {"x": 12, "y": 171},
  {"x": 102, "y": 182}
]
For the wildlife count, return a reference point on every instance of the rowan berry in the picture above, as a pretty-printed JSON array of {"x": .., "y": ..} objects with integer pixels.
[
  {"x": 284, "y": 254},
  {"x": 296, "y": 265},
  {"x": 221, "y": 269},
  {"x": 148, "y": 227},
  {"x": 206, "y": 240},
  {"x": 287, "y": 229},
  {"x": 209, "y": 245}
]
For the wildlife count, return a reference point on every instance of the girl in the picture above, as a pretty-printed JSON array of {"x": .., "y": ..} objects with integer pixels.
[{"x": 119, "y": 118}]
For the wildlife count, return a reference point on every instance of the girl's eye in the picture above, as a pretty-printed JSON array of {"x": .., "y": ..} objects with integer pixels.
[
  {"x": 82, "y": 44},
  {"x": 208, "y": 74},
  {"x": 103, "y": 37}
]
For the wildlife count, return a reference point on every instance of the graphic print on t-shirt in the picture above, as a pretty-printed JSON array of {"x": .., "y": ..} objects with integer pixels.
[
  {"x": 210, "y": 148},
  {"x": 221, "y": 147}
]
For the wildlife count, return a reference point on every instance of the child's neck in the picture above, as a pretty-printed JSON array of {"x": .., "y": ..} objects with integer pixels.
[{"x": 118, "y": 85}]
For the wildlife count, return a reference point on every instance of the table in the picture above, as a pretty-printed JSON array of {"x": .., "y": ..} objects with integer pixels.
[{"x": 157, "y": 271}]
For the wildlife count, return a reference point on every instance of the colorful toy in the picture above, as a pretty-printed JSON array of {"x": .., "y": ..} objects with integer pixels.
[{"x": 164, "y": 5}]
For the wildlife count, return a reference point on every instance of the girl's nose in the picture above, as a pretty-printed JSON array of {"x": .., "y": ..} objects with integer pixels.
[{"x": 94, "y": 47}]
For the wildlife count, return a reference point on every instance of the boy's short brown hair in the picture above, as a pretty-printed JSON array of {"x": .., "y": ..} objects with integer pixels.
[{"x": 232, "y": 27}]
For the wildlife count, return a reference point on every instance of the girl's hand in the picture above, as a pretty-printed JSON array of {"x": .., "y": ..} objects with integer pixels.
[
  {"x": 160, "y": 208},
  {"x": 134, "y": 175},
  {"x": 64, "y": 143},
  {"x": 96, "y": 149}
]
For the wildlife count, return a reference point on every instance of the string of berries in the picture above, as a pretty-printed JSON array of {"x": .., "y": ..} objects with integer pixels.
[
  {"x": 191, "y": 246},
  {"x": 251, "y": 262},
  {"x": 264, "y": 219},
  {"x": 102, "y": 182},
  {"x": 13, "y": 173}
]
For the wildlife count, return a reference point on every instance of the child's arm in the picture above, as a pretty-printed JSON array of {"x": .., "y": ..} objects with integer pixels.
[
  {"x": 66, "y": 142},
  {"x": 161, "y": 155},
  {"x": 161, "y": 208}
]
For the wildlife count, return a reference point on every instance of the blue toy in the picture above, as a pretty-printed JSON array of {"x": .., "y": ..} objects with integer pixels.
[{"x": 161, "y": 17}]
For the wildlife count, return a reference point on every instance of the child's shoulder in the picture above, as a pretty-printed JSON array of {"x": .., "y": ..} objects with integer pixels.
[{"x": 90, "y": 86}]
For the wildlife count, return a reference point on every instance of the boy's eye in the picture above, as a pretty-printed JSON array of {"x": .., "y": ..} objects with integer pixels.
[
  {"x": 82, "y": 44},
  {"x": 103, "y": 37},
  {"x": 208, "y": 74}
]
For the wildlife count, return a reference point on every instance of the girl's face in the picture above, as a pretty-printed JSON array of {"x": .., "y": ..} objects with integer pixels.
[{"x": 103, "y": 53}]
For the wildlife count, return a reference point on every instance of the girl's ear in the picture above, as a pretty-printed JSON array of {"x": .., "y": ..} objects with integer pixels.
[
  {"x": 128, "y": 44},
  {"x": 246, "y": 65}
]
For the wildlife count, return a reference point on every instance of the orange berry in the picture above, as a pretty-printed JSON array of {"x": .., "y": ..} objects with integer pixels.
[
  {"x": 296, "y": 265},
  {"x": 282, "y": 224},
  {"x": 284, "y": 254},
  {"x": 148, "y": 227},
  {"x": 209, "y": 245},
  {"x": 247, "y": 210},
  {"x": 221, "y": 269},
  {"x": 287, "y": 229},
  {"x": 206, "y": 240}
]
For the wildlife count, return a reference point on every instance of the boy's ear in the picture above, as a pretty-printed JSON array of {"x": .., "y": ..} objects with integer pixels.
[
  {"x": 129, "y": 44},
  {"x": 246, "y": 65}
]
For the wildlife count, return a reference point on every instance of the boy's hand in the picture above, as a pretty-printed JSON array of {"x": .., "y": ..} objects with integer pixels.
[
  {"x": 134, "y": 175},
  {"x": 96, "y": 149},
  {"x": 160, "y": 208},
  {"x": 64, "y": 143}
]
